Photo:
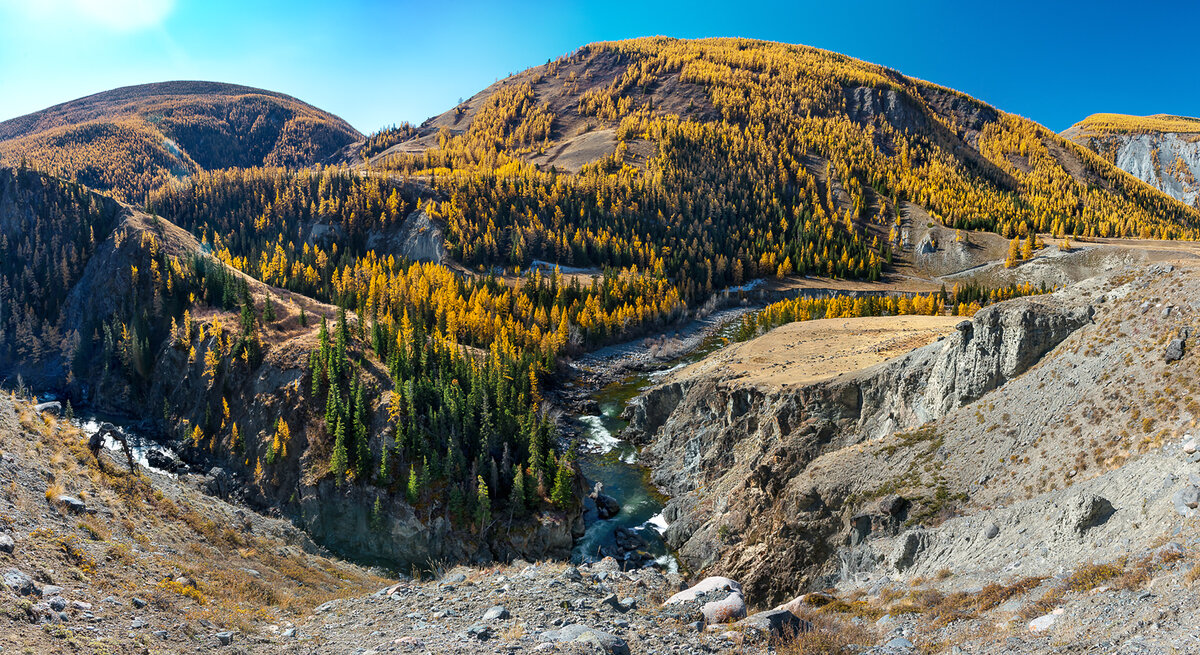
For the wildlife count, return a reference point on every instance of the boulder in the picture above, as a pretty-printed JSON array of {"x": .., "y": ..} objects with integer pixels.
[
  {"x": 1084, "y": 512},
  {"x": 53, "y": 407},
  {"x": 496, "y": 613},
  {"x": 606, "y": 507},
  {"x": 776, "y": 624},
  {"x": 479, "y": 632},
  {"x": 729, "y": 609},
  {"x": 7, "y": 545},
  {"x": 218, "y": 482},
  {"x": 709, "y": 584},
  {"x": 71, "y": 504},
  {"x": 991, "y": 531},
  {"x": 164, "y": 461},
  {"x": 20, "y": 583},
  {"x": 1187, "y": 500},
  {"x": 581, "y": 634},
  {"x": 1174, "y": 351}
]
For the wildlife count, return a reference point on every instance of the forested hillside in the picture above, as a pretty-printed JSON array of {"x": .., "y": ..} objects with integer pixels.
[
  {"x": 783, "y": 159},
  {"x": 129, "y": 140}
]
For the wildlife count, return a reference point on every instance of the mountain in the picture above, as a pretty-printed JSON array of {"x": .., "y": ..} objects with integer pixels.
[
  {"x": 1161, "y": 150},
  {"x": 129, "y": 140}
]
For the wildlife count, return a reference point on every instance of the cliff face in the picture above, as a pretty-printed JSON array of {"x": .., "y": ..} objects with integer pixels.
[
  {"x": 1167, "y": 161},
  {"x": 732, "y": 456}
]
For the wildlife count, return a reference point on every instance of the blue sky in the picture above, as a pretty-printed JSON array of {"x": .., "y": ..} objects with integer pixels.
[{"x": 377, "y": 63}]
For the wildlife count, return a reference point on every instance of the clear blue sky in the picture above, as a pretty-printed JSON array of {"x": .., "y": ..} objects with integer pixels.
[{"x": 377, "y": 63}]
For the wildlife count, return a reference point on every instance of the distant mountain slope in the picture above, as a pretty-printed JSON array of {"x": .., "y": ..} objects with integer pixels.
[
  {"x": 738, "y": 158},
  {"x": 130, "y": 139},
  {"x": 1161, "y": 150}
]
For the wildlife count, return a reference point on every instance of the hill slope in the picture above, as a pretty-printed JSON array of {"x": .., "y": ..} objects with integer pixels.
[
  {"x": 1161, "y": 150},
  {"x": 739, "y": 158},
  {"x": 130, "y": 139}
]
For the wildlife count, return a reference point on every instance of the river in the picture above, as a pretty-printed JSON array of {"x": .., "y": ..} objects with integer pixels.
[{"x": 607, "y": 459}]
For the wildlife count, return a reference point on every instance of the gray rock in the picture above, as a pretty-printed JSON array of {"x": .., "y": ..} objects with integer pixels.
[
  {"x": 899, "y": 644},
  {"x": 1174, "y": 351},
  {"x": 137, "y": 624},
  {"x": 161, "y": 634},
  {"x": 496, "y": 613},
  {"x": 20, "y": 584},
  {"x": 479, "y": 632},
  {"x": 572, "y": 574},
  {"x": 71, "y": 504},
  {"x": 7, "y": 545},
  {"x": 776, "y": 623},
  {"x": 53, "y": 407},
  {"x": 581, "y": 634},
  {"x": 453, "y": 579},
  {"x": 991, "y": 531},
  {"x": 908, "y": 547},
  {"x": 1187, "y": 500},
  {"x": 289, "y": 633},
  {"x": 81, "y": 606},
  {"x": 225, "y": 638},
  {"x": 1084, "y": 512},
  {"x": 138, "y": 602},
  {"x": 728, "y": 609},
  {"x": 58, "y": 604}
]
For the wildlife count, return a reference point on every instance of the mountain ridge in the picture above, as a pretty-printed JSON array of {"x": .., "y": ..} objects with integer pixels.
[{"x": 127, "y": 141}]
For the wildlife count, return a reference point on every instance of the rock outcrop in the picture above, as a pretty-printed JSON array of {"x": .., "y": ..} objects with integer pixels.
[{"x": 732, "y": 456}]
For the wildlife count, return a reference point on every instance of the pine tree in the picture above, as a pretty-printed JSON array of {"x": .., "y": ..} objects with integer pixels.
[
  {"x": 483, "y": 504},
  {"x": 362, "y": 451},
  {"x": 518, "y": 496},
  {"x": 338, "y": 464},
  {"x": 413, "y": 486},
  {"x": 562, "y": 495}
]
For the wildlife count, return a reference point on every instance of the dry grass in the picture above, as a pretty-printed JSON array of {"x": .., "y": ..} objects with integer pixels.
[{"x": 832, "y": 634}]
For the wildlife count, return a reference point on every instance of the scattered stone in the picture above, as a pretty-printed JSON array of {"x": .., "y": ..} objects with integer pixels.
[
  {"x": 728, "y": 609},
  {"x": 71, "y": 504},
  {"x": 81, "y": 606},
  {"x": 1187, "y": 500},
  {"x": 288, "y": 633},
  {"x": 457, "y": 578},
  {"x": 572, "y": 574},
  {"x": 137, "y": 624},
  {"x": 899, "y": 644},
  {"x": 479, "y": 632},
  {"x": 581, "y": 634},
  {"x": 20, "y": 584},
  {"x": 1045, "y": 621},
  {"x": 991, "y": 531},
  {"x": 53, "y": 407},
  {"x": 1084, "y": 512},
  {"x": 712, "y": 583},
  {"x": 496, "y": 613},
  {"x": 225, "y": 638},
  {"x": 1174, "y": 351},
  {"x": 138, "y": 602},
  {"x": 52, "y": 590},
  {"x": 7, "y": 545},
  {"x": 161, "y": 634},
  {"x": 776, "y": 623},
  {"x": 1189, "y": 446}
]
